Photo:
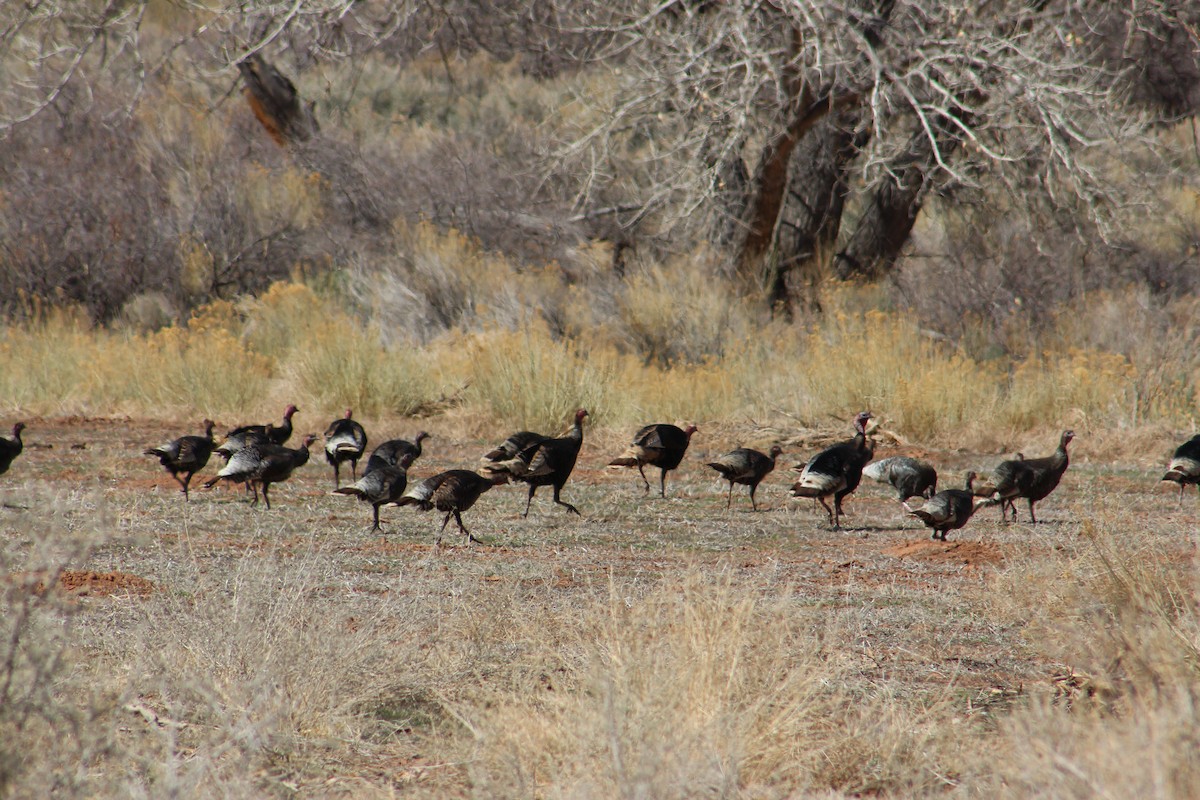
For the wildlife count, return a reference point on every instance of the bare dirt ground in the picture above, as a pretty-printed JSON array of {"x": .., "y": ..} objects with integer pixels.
[{"x": 917, "y": 638}]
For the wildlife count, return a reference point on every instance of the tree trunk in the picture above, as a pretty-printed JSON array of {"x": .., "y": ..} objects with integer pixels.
[
  {"x": 811, "y": 221},
  {"x": 275, "y": 102},
  {"x": 768, "y": 193},
  {"x": 884, "y": 227}
]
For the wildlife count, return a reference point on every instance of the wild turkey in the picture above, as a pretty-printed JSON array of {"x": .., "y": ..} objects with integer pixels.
[
  {"x": 390, "y": 452},
  {"x": 1031, "y": 478},
  {"x": 263, "y": 464},
  {"x": 836, "y": 471},
  {"x": 542, "y": 462},
  {"x": 384, "y": 484},
  {"x": 908, "y": 476},
  {"x": 187, "y": 455},
  {"x": 453, "y": 492},
  {"x": 949, "y": 510},
  {"x": 11, "y": 448},
  {"x": 246, "y": 435},
  {"x": 747, "y": 467},
  {"x": 510, "y": 448},
  {"x": 345, "y": 440},
  {"x": 660, "y": 445},
  {"x": 1183, "y": 469}
]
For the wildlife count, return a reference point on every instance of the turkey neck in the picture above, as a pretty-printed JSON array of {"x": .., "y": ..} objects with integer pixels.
[{"x": 862, "y": 444}]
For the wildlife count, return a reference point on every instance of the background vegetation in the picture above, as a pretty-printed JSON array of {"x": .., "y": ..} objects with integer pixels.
[{"x": 441, "y": 207}]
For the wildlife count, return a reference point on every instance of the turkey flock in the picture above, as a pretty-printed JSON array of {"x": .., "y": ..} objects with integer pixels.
[{"x": 257, "y": 456}]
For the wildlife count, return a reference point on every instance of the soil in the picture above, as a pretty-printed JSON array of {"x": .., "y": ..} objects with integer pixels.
[{"x": 968, "y": 554}]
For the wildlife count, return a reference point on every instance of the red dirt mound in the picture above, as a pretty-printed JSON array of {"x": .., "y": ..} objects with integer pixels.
[{"x": 970, "y": 554}]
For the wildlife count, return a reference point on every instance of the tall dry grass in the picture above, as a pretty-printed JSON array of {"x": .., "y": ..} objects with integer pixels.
[{"x": 528, "y": 370}]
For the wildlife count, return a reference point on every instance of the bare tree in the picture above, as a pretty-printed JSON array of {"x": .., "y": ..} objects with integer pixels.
[{"x": 937, "y": 94}]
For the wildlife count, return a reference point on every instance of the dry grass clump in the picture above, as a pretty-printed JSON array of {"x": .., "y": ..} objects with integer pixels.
[
  {"x": 58, "y": 361},
  {"x": 680, "y": 312},
  {"x": 332, "y": 359},
  {"x": 1122, "y": 618},
  {"x": 671, "y": 348},
  {"x": 441, "y": 280},
  {"x": 529, "y": 379},
  {"x": 875, "y": 360},
  {"x": 696, "y": 687},
  {"x": 259, "y": 658}
]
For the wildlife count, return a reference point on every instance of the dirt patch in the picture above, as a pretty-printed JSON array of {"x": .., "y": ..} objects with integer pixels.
[
  {"x": 970, "y": 554},
  {"x": 83, "y": 583}
]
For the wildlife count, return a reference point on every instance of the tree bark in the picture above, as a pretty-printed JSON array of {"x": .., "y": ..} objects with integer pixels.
[
  {"x": 811, "y": 220},
  {"x": 276, "y": 103},
  {"x": 884, "y": 227}
]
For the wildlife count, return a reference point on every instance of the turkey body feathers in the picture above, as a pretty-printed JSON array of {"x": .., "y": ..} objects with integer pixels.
[
  {"x": 1184, "y": 467},
  {"x": 248, "y": 435},
  {"x": 836, "y": 471},
  {"x": 390, "y": 452},
  {"x": 262, "y": 465},
  {"x": 1031, "y": 478},
  {"x": 746, "y": 467},
  {"x": 452, "y": 492},
  {"x": 345, "y": 440},
  {"x": 380, "y": 486},
  {"x": 540, "y": 461},
  {"x": 908, "y": 476},
  {"x": 12, "y": 447}
]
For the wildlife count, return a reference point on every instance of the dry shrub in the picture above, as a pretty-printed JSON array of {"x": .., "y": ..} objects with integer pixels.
[
  {"x": 1098, "y": 385},
  {"x": 529, "y": 379},
  {"x": 883, "y": 362},
  {"x": 682, "y": 313},
  {"x": 239, "y": 666},
  {"x": 43, "y": 360},
  {"x": 57, "y": 361},
  {"x": 1157, "y": 336},
  {"x": 204, "y": 367},
  {"x": 694, "y": 688},
  {"x": 338, "y": 364},
  {"x": 444, "y": 281},
  {"x": 333, "y": 359}
]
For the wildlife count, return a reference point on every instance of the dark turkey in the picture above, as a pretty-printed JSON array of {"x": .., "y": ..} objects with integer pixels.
[
  {"x": 187, "y": 455},
  {"x": 908, "y": 476},
  {"x": 747, "y": 467},
  {"x": 452, "y": 492},
  {"x": 11, "y": 448},
  {"x": 836, "y": 471},
  {"x": 345, "y": 440},
  {"x": 1183, "y": 469},
  {"x": 1031, "y": 478},
  {"x": 949, "y": 510},
  {"x": 390, "y": 452},
  {"x": 262, "y": 465},
  {"x": 661, "y": 445},
  {"x": 384, "y": 484},
  {"x": 548, "y": 462},
  {"x": 246, "y": 435}
]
